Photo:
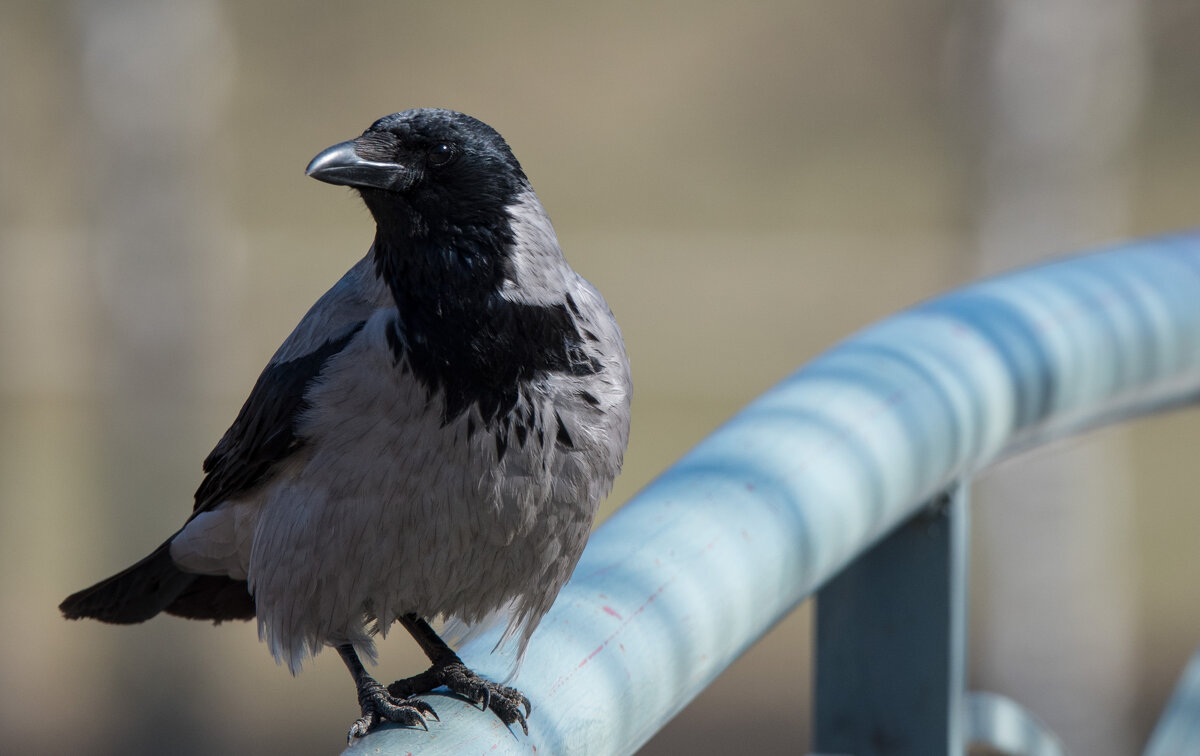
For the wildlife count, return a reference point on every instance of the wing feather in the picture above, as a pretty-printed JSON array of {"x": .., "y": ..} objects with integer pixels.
[{"x": 265, "y": 430}]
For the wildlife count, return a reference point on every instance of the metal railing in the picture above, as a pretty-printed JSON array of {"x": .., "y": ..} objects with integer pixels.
[{"x": 848, "y": 478}]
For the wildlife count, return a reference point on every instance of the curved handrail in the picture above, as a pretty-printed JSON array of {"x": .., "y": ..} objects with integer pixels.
[{"x": 694, "y": 569}]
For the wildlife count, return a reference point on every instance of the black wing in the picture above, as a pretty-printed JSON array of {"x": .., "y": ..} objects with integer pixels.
[{"x": 264, "y": 432}]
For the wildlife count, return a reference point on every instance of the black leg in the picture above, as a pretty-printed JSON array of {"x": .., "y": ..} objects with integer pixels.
[
  {"x": 377, "y": 704},
  {"x": 450, "y": 671}
]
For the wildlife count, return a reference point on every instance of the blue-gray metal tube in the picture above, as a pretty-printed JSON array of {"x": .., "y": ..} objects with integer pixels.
[
  {"x": 1178, "y": 730},
  {"x": 680, "y": 581}
]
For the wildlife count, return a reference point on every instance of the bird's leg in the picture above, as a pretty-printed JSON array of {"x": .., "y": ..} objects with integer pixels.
[
  {"x": 377, "y": 704},
  {"x": 450, "y": 671}
]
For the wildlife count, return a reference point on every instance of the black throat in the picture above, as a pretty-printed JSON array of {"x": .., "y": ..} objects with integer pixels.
[{"x": 456, "y": 332}]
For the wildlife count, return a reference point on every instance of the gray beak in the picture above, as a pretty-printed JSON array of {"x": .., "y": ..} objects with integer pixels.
[{"x": 341, "y": 165}]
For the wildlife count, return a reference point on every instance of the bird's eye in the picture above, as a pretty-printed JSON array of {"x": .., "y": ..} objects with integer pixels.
[{"x": 440, "y": 154}]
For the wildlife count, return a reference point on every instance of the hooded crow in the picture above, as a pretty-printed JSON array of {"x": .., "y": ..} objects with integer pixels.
[{"x": 430, "y": 442}]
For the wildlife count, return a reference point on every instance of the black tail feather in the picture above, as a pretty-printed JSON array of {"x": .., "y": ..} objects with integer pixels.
[
  {"x": 214, "y": 597},
  {"x": 156, "y": 584}
]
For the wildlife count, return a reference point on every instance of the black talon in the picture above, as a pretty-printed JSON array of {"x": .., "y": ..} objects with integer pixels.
[
  {"x": 449, "y": 671},
  {"x": 397, "y": 702},
  {"x": 378, "y": 705},
  {"x": 424, "y": 708},
  {"x": 360, "y": 728}
]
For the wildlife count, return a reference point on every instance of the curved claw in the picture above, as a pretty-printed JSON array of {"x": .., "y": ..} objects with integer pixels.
[
  {"x": 519, "y": 718},
  {"x": 424, "y": 708},
  {"x": 515, "y": 696},
  {"x": 507, "y": 704},
  {"x": 512, "y": 694},
  {"x": 379, "y": 706},
  {"x": 360, "y": 728},
  {"x": 418, "y": 718},
  {"x": 504, "y": 701}
]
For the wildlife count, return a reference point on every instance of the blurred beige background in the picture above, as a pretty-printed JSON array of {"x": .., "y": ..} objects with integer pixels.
[{"x": 746, "y": 184}]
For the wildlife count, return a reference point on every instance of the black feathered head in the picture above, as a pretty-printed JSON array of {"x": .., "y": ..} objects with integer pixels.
[{"x": 428, "y": 172}]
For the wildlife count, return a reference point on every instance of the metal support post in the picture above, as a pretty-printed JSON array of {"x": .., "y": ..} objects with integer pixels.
[{"x": 891, "y": 641}]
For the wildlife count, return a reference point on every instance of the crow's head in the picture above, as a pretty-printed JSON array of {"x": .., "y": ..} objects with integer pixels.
[
  {"x": 428, "y": 173},
  {"x": 482, "y": 292}
]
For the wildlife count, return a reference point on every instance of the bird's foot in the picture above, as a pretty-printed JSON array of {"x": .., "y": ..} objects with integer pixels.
[
  {"x": 504, "y": 701},
  {"x": 379, "y": 706}
]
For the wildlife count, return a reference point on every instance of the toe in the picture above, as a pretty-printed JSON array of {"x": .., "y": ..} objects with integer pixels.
[
  {"x": 361, "y": 727},
  {"x": 509, "y": 711},
  {"x": 516, "y": 697},
  {"x": 423, "y": 708},
  {"x": 405, "y": 713},
  {"x": 379, "y": 706},
  {"x": 504, "y": 701},
  {"x": 517, "y": 717}
]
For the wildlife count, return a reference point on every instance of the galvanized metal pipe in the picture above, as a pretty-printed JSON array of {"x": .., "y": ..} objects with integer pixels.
[{"x": 679, "y": 582}]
